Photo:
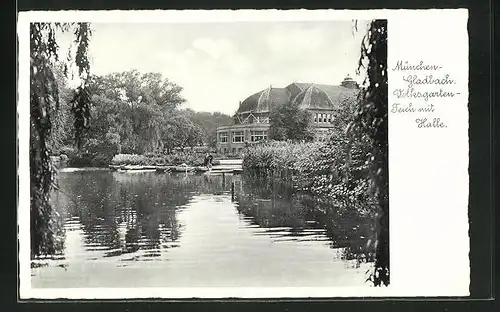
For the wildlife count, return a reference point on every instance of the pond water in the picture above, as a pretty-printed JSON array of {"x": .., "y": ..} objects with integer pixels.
[{"x": 146, "y": 229}]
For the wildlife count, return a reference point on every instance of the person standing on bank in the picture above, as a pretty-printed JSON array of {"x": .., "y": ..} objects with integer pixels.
[{"x": 208, "y": 161}]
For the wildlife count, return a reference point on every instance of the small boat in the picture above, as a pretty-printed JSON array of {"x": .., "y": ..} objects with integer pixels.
[
  {"x": 183, "y": 168},
  {"x": 131, "y": 167},
  {"x": 200, "y": 169},
  {"x": 230, "y": 161},
  {"x": 114, "y": 167},
  {"x": 162, "y": 169},
  {"x": 137, "y": 168},
  {"x": 218, "y": 172}
]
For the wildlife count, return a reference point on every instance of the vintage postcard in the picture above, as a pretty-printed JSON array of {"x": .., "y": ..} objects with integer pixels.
[{"x": 243, "y": 154}]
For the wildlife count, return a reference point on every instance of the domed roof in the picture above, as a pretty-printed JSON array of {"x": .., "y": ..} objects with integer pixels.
[
  {"x": 320, "y": 96},
  {"x": 264, "y": 100},
  {"x": 310, "y": 96}
]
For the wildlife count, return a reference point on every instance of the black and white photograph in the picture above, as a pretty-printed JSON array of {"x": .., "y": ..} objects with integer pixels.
[{"x": 244, "y": 155}]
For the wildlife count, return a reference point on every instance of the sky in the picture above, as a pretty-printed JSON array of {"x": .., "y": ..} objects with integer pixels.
[{"x": 220, "y": 64}]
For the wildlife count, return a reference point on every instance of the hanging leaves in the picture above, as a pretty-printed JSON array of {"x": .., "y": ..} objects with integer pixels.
[
  {"x": 80, "y": 105},
  {"x": 44, "y": 101},
  {"x": 371, "y": 119},
  {"x": 82, "y": 34}
]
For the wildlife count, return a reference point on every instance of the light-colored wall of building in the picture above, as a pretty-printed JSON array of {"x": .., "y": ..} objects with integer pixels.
[
  {"x": 235, "y": 147},
  {"x": 321, "y": 129}
]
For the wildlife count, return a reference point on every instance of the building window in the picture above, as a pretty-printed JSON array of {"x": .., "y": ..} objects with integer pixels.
[
  {"x": 225, "y": 150},
  {"x": 222, "y": 137},
  {"x": 238, "y": 136},
  {"x": 234, "y": 150},
  {"x": 256, "y": 136},
  {"x": 329, "y": 118},
  {"x": 324, "y": 118}
]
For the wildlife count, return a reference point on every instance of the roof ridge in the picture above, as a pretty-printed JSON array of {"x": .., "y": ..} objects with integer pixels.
[
  {"x": 296, "y": 84},
  {"x": 307, "y": 96},
  {"x": 327, "y": 95},
  {"x": 265, "y": 93}
]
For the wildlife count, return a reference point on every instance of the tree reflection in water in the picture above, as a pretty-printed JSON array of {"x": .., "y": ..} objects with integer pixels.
[
  {"x": 291, "y": 215},
  {"x": 123, "y": 213},
  {"x": 134, "y": 215}
]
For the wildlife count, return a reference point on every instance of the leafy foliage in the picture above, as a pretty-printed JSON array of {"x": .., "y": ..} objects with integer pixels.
[
  {"x": 129, "y": 111},
  {"x": 371, "y": 120},
  {"x": 80, "y": 105},
  {"x": 62, "y": 133},
  {"x": 290, "y": 122},
  {"x": 208, "y": 123},
  {"x": 181, "y": 131},
  {"x": 44, "y": 103},
  {"x": 189, "y": 158},
  {"x": 339, "y": 170},
  {"x": 141, "y": 113},
  {"x": 278, "y": 156}
]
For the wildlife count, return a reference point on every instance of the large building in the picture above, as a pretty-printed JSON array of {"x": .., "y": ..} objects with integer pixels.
[{"x": 251, "y": 121}]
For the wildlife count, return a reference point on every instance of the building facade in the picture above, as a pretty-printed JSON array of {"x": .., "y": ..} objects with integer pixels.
[{"x": 251, "y": 121}]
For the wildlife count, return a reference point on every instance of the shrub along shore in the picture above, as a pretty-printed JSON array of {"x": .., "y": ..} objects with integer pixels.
[
  {"x": 71, "y": 158},
  {"x": 330, "y": 177},
  {"x": 195, "y": 159},
  {"x": 323, "y": 169}
]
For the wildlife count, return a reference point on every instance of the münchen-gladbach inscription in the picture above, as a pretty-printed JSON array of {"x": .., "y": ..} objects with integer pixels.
[{"x": 416, "y": 80}]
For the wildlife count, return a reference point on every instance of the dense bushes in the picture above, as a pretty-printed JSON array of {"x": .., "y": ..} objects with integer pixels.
[
  {"x": 279, "y": 156},
  {"x": 73, "y": 158},
  {"x": 335, "y": 170},
  {"x": 88, "y": 160},
  {"x": 133, "y": 159},
  {"x": 70, "y": 156},
  {"x": 233, "y": 155}
]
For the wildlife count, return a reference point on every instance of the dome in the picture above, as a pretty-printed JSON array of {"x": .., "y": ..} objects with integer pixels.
[
  {"x": 320, "y": 96},
  {"x": 264, "y": 100},
  {"x": 310, "y": 96}
]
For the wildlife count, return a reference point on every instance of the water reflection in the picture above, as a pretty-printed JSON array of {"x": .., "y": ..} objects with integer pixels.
[
  {"x": 199, "y": 230},
  {"x": 288, "y": 215},
  {"x": 127, "y": 213},
  {"x": 137, "y": 213}
]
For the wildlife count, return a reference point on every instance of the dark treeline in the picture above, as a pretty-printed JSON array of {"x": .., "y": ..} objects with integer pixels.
[{"x": 131, "y": 113}]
